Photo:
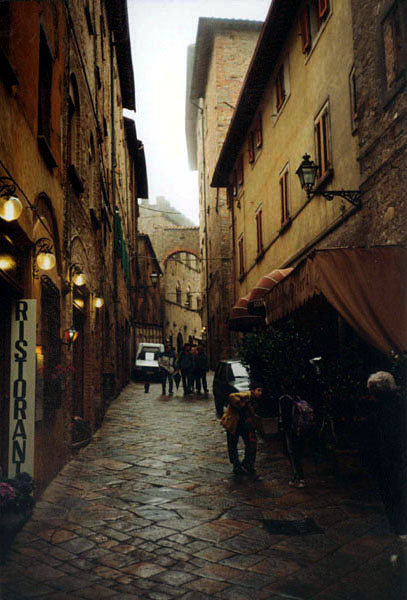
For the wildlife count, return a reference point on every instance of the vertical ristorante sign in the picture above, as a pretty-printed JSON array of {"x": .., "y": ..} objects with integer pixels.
[{"x": 22, "y": 387}]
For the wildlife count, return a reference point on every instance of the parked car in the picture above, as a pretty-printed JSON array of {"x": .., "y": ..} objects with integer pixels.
[
  {"x": 230, "y": 376},
  {"x": 146, "y": 367}
]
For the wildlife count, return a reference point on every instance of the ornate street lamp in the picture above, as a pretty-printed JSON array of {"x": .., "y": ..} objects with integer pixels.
[
  {"x": 44, "y": 257},
  {"x": 10, "y": 205},
  {"x": 307, "y": 173}
]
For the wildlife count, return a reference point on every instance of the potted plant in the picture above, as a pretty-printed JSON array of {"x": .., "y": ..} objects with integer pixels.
[{"x": 16, "y": 505}]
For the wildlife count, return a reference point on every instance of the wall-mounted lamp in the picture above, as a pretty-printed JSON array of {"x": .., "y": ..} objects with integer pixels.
[
  {"x": 98, "y": 302},
  {"x": 44, "y": 257},
  {"x": 307, "y": 173},
  {"x": 78, "y": 277},
  {"x": 70, "y": 335},
  {"x": 154, "y": 278},
  {"x": 10, "y": 205}
]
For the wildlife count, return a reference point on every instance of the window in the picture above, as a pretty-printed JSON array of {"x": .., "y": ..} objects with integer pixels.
[
  {"x": 239, "y": 170},
  {"x": 284, "y": 196},
  {"x": 259, "y": 230},
  {"x": 280, "y": 88},
  {"x": 393, "y": 40},
  {"x": 259, "y": 131},
  {"x": 73, "y": 120},
  {"x": 353, "y": 99},
  {"x": 251, "y": 147},
  {"x": 178, "y": 293},
  {"x": 323, "y": 143},
  {"x": 44, "y": 89},
  {"x": 241, "y": 257},
  {"x": 255, "y": 139},
  {"x": 312, "y": 18}
]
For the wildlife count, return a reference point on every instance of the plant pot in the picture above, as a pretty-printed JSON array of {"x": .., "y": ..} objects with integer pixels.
[{"x": 10, "y": 524}]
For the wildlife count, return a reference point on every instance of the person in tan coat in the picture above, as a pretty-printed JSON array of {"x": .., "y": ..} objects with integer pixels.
[{"x": 239, "y": 421}]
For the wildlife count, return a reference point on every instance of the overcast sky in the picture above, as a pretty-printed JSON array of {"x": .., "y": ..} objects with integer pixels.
[{"x": 161, "y": 31}]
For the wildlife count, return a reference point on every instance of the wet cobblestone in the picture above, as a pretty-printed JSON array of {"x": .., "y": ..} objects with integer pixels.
[{"x": 150, "y": 510}]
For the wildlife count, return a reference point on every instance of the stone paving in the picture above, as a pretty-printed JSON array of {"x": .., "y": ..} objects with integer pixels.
[{"x": 150, "y": 510}]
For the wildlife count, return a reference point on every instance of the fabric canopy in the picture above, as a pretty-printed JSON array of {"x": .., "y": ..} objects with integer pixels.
[
  {"x": 366, "y": 286},
  {"x": 267, "y": 282},
  {"x": 239, "y": 319}
]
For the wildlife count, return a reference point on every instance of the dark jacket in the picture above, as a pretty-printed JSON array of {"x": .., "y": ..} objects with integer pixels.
[
  {"x": 185, "y": 361},
  {"x": 201, "y": 361}
]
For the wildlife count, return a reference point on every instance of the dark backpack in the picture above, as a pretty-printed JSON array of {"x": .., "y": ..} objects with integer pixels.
[{"x": 303, "y": 419}]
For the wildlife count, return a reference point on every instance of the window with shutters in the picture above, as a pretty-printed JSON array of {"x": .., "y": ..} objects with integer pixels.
[
  {"x": 323, "y": 143},
  {"x": 280, "y": 88},
  {"x": 251, "y": 147},
  {"x": 353, "y": 100},
  {"x": 259, "y": 231},
  {"x": 284, "y": 196},
  {"x": 239, "y": 169},
  {"x": 241, "y": 256},
  {"x": 255, "y": 139},
  {"x": 393, "y": 38},
  {"x": 313, "y": 17}
]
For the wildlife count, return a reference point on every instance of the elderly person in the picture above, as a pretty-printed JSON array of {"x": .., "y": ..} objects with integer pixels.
[{"x": 384, "y": 447}]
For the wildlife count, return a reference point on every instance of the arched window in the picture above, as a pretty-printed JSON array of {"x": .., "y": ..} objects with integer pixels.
[
  {"x": 188, "y": 300},
  {"x": 178, "y": 293}
]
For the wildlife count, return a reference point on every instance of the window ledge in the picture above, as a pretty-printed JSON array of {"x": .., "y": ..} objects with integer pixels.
[
  {"x": 285, "y": 225},
  {"x": 260, "y": 255},
  {"x": 46, "y": 151},
  {"x": 75, "y": 179}
]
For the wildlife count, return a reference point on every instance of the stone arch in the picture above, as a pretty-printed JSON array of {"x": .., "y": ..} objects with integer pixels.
[{"x": 177, "y": 250}]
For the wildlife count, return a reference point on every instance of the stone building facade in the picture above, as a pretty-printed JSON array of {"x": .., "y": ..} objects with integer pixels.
[
  {"x": 350, "y": 123},
  {"x": 77, "y": 168},
  {"x": 176, "y": 244},
  {"x": 217, "y": 65}
]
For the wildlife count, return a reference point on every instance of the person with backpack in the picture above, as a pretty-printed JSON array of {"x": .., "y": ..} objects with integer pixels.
[
  {"x": 239, "y": 420},
  {"x": 296, "y": 419}
]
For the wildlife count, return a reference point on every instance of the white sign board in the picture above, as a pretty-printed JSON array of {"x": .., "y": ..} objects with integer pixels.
[{"x": 22, "y": 388}]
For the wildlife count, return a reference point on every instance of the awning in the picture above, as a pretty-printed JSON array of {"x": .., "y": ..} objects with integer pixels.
[
  {"x": 366, "y": 286},
  {"x": 267, "y": 282},
  {"x": 239, "y": 319}
]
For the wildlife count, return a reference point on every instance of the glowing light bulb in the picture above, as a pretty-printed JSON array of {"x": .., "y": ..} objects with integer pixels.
[{"x": 10, "y": 208}]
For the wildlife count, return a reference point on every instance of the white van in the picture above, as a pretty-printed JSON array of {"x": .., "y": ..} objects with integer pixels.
[{"x": 146, "y": 367}]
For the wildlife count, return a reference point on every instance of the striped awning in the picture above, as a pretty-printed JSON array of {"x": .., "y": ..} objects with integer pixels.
[
  {"x": 267, "y": 282},
  {"x": 240, "y": 319}
]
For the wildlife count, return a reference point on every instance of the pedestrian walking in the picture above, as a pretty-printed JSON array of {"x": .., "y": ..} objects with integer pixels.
[
  {"x": 383, "y": 446},
  {"x": 200, "y": 369},
  {"x": 239, "y": 420},
  {"x": 166, "y": 362},
  {"x": 296, "y": 420},
  {"x": 186, "y": 365}
]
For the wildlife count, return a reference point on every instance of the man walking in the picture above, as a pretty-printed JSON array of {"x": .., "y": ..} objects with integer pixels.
[
  {"x": 239, "y": 421},
  {"x": 186, "y": 365},
  {"x": 201, "y": 367},
  {"x": 166, "y": 362}
]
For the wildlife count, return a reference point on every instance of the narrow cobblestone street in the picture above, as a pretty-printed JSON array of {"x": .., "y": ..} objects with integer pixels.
[{"x": 149, "y": 509}]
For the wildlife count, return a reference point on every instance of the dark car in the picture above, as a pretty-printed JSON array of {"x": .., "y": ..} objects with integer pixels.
[{"x": 230, "y": 376}]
